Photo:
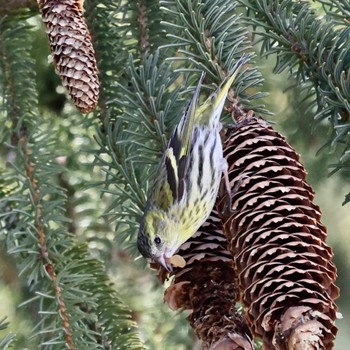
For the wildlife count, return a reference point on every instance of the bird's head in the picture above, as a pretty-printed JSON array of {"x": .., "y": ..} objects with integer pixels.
[{"x": 158, "y": 238}]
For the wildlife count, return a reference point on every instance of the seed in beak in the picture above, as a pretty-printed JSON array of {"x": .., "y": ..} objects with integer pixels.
[{"x": 176, "y": 261}]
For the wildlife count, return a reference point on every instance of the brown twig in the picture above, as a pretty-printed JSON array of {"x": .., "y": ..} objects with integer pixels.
[
  {"x": 48, "y": 264},
  {"x": 70, "y": 209},
  {"x": 142, "y": 20}
]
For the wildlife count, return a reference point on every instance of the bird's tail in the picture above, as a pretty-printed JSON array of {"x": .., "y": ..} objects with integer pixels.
[
  {"x": 215, "y": 102},
  {"x": 228, "y": 81}
]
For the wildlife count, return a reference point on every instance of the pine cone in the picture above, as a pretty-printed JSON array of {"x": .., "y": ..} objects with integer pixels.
[
  {"x": 281, "y": 259},
  {"x": 206, "y": 287},
  {"x": 72, "y": 50}
]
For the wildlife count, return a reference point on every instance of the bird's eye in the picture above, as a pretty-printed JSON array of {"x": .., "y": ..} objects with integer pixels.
[{"x": 157, "y": 240}]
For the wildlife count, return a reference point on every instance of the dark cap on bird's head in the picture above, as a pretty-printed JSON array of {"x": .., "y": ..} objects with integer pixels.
[
  {"x": 153, "y": 250},
  {"x": 143, "y": 243}
]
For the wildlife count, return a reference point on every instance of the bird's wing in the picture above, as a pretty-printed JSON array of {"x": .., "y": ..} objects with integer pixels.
[
  {"x": 161, "y": 196},
  {"x": 178, "y": 152},
  {"x": 169, "y": 187}
]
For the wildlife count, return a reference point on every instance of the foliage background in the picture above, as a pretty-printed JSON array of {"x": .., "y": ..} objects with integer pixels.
[{"x": 138, "y": 287}]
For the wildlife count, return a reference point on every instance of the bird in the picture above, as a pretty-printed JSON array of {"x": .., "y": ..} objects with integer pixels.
[{"x": 188, "y": 177}]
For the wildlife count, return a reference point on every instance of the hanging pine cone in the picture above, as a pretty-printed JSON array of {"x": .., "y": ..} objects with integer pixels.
[
  {"x": 206, "y": 286},
  {"x": 281, "y": 259},
  {"x": 72, "y": 50}
]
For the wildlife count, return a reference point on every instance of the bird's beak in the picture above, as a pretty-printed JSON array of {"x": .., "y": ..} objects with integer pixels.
[{"x": 163, "y": 260}]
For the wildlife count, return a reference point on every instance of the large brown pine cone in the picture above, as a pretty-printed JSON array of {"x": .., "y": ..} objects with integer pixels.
[
  {"x": 72, "y": 50},
  {"x": 282, "y": 262}
]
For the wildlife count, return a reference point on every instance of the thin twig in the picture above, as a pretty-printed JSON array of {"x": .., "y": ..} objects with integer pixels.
[
  {"x": 142, "y": 19},
  {"x": 48, "y": 264}
]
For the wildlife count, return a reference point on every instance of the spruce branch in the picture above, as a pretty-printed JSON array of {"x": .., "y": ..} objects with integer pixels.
[
  {"x": 107, "y": 36},
  {"x": 313, "y": 48},
  {"x": 16, "y": 106},
  {"x": 209, "y": 37},
  {"x": 7, "y": 341},
  {"x": 22, "y": 141},
  {"x": 109, "y": 318},
  {"x": 337, "y": 10},
  {"x": 78, "y": 307},
  {"x": 45, "y": 254},
  {"x": 19, "y": 112},
  {"x": 121, "y": 29},
  {"x": 315, "y": 51}
]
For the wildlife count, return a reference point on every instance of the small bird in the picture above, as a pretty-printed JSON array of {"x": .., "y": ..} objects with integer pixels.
[{"x": 189, "y": 175}]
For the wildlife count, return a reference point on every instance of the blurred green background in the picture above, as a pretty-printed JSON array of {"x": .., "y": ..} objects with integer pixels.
[{"x": 138, "y": 287}]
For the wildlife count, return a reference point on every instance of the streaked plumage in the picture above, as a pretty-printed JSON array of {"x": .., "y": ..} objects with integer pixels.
[{"x": 189, "y": 174}]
